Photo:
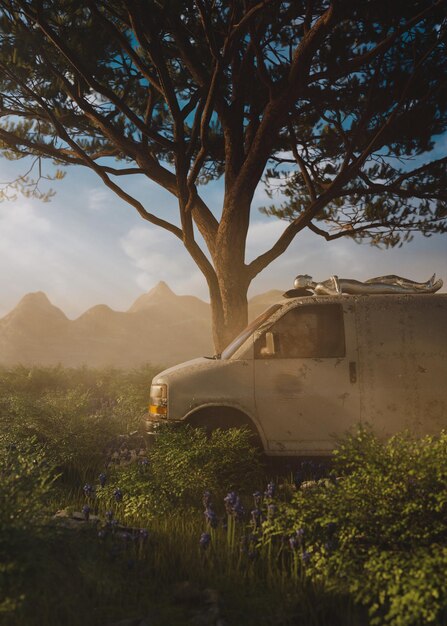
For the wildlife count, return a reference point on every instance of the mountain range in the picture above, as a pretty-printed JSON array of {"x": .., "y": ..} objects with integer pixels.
[{"x": 160, "y": 328}]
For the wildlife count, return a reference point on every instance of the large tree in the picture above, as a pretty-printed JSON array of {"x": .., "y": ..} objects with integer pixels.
[{"x": 338, "y": 101}]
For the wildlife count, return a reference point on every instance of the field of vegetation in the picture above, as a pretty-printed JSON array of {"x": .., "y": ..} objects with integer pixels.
[{"x": 98, "y": 529}]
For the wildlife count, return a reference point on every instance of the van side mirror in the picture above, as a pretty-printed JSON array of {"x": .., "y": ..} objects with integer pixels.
[{"x": 270, "y": 344}]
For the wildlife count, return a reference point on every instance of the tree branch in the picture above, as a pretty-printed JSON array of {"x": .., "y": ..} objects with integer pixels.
[
  {"x": 302, "y": 165},
  {"x": 350, "y": 232},
  {"x": 366, "y": 58},
  {"x": 283, "y": 242},
  {"x": 81, "y": 70}
]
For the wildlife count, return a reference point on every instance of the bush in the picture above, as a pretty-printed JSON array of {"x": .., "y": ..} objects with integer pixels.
[
  {"x": 76, "y": 413},
  {"x": 379, "y": 530},
  {"x": 26, "y": 478},
  {"x": 25, "y": 481},
  {"x": 183, "y": 463}
]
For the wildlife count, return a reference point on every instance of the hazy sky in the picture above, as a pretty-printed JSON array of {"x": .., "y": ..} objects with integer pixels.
[{"x": 87, "y": 247}]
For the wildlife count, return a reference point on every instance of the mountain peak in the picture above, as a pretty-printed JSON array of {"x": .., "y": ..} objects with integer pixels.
[
  {"x": 161, "y": 293},
  {"x": 36, "y": 298},
  {"x": 36, "y": 305},
  {"x": 161, "y": 289}
]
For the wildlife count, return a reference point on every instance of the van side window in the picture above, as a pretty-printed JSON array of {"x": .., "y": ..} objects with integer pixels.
[{"x": 306, "y": 332}]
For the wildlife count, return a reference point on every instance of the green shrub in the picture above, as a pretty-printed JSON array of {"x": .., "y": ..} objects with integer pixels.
[
  {"x": 77, "y": 413},
  {"x": 26, "y": 478},
  {"x": 378, "y": 531},
  {"x": 183, "y": 463}
]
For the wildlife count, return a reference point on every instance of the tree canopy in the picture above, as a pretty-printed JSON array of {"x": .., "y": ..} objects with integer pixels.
[{"x": 336, "y": 102}]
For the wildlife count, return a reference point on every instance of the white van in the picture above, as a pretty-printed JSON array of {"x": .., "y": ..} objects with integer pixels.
[{"x": 310, "y": 367}]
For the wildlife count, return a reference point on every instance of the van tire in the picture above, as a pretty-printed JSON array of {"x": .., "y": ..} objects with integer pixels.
[{"x": 223, "y": 418}]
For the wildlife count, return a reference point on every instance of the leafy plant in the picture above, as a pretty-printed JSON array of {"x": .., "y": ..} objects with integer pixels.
[
  {"x": 378, "y": 530},
  {"x": 78, "y": 414},
  {"x": 182, "y": 464},
  {"x": 26, "y": 478},
  {"x": 25, "y": 481}
]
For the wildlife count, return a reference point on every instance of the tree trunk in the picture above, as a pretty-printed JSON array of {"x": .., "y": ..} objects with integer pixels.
[{"x": 229, "y": 308}]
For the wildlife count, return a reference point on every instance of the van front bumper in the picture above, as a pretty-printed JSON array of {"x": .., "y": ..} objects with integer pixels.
[{"x": 152, "y": 425}]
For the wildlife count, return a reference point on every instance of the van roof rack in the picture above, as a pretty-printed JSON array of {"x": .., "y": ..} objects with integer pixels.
[{"x": 295, "y": 293}]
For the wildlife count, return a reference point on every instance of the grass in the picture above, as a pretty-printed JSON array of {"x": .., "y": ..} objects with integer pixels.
[{"x": 59, "y": 429}]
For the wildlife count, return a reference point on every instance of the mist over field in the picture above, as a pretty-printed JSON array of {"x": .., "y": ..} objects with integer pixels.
[{"x": 160, "y": 327}]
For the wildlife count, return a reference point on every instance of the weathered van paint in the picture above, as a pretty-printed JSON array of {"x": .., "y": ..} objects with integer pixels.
[{"x": 393, "y": 376}]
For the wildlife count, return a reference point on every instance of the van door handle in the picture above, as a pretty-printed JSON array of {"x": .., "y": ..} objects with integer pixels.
[{"x": 353, "y": 371}]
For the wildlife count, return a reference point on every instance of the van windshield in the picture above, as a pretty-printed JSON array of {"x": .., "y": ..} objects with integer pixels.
[{"x": 249, "y": 330}]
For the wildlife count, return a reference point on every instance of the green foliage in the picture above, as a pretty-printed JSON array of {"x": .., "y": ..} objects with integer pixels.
[
  {"x": 355, "y": 99},
  {"x": 183, "y": 463},
  {"x": 372, "y": 537},
  {"x": 26, "y": 478},
  {"x": 379, "y": 531},
  {"x": 25, "y": 481},
  {"x": 77, "y": 414}
]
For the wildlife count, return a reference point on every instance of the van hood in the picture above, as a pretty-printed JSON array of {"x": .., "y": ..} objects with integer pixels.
[
  {"x": 194, "y": 365},
  {"x": 207, "y": 382}
]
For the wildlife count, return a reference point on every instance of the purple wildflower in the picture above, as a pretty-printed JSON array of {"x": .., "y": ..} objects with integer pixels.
[
  {"x": 102, "y": 479},
  {"x": 238, "y": 509},
  {"x": 205, "y": 540},
  {"x": 206, "y": 499},
  {"x": 118, "y": 495},
  {"x": 256, "y": 517},
  {"x": 233, "y": 505},
  {"x": 211, "y": 517},
  {"x": 125, "y": 535},
  {"x": 109, "y": 515},
  {"x": 305, "y": 557},
  {"x": 86, "y": 512},
  {"x": 270, "y": 491},
  {"x": 271, "y": 510},
  {"x": 294, "y": 542},
  {"x": 88, "y": 489},
  {"x": 230, "y": 500},
  {"x": 297, "y": 539},
  {"x": 257, "y": 498}
]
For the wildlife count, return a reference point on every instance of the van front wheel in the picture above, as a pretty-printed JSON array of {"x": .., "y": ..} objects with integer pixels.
[{"x": 220, "y": 417}]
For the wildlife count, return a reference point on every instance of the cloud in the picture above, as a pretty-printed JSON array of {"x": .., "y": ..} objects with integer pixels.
[
  {"x": 81, "y": 254},
  {"x": 21, "y": 230},
  {"x": 158, "y": 255},
  {"x": 310, "y": 254},
  {"x": 43, "y": 248},
  {"x": 23, "y": 217},
  {"x": 99, "y": 199},
  {"x": 262, "y": 235}
]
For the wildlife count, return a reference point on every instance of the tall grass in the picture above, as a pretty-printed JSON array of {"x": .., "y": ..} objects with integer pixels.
[{"x": 285, "y": 553}]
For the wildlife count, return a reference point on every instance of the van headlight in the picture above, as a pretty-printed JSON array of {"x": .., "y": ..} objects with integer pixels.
[{"x": 158, "y": 403}]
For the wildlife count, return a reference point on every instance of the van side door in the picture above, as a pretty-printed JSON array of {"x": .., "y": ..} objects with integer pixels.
[{"x": 305, "y": 372}]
